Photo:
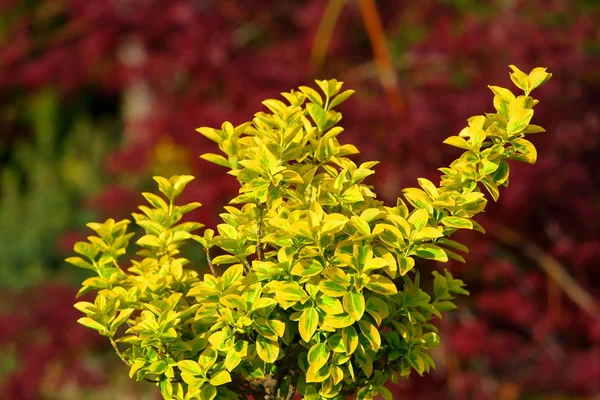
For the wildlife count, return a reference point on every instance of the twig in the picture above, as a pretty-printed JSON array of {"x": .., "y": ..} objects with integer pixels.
[
  {"x": 210, "y": 264},
  {"x": 121, "y": 356},
  {"x": 291, "y": 393},
  {"x": 292, "y": 386},
  {"x": 383, "y": 60},
  {"x": 246, "y": 265},
  {"x": 550, "y": 266}
]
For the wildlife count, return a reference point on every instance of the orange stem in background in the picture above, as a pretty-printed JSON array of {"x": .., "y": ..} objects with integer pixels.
[
  {"x": 324, "y": 33},
  {"x": 383, "y": 59}
]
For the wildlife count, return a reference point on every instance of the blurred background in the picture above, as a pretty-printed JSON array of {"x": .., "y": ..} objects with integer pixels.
[{"x": 97, "y": 96}]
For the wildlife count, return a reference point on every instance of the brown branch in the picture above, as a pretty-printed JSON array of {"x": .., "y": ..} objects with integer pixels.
[
  {"x": 381, "y": 53},
  {"x": 551, "y": 266}
]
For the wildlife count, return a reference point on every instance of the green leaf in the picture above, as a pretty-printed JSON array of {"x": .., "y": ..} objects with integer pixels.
[
  {"x": 307, "y": 325},
  {"x": 307, "y": 268},
  {"x": 318, "y": 115},
  {"x": 431, "y": 252},
  {"x": 531, "y": 128},
  {"x": 291, "y": 292},
  {"x": 364, "y": 359},
  {"x": 365, "y": 393},
  {"x": 503, "y": 93},
  {"x": 453, "y": 244},
  {"x": 382, "y": 285},
  {"x": 457, "y": 222},
  {"x": 339, "y": 321},
  {"x": 165, "y": 187},
  {"x": 330, "y": 305},
  {"x": 267, "y": 349},
  {"x": 179, "y": 183},
  {"x": 80, "y": 262},
  {"x": 312, "y": 94},
  {"x": 211, "y": 134},
  {"x": 527, "y": 149},
  {"x": 371, "y": 333},
  {"x": 317, "y": 375},
  {"x": 519, "y": 121},
  {"x": 333, "y": 224},
  {"x": 166, "y": 388},
  {"x": 350, "y": 339},
  {"x": 121, "y": 318},
  {"x": 135, "y": 367},
  {"x": 419, "y": 218},
  {"x": 225, "y": 259},
  {"x": 264, "y": 302},
  {"x": 216, "y": 159},
  {"x": 491, "y": 187},
  {"x": 86, "y": 249},
  {"x": 158, "y": 367},
  {"x": 427, "y": 233},
  {"x": 428, "y": 187},
  {"x": 520, "y": 79},
  {"x": 406, "y": 264},
  {"x": 234, "y": 357},
  {"x": 332, "y": 288},
  {"x": 208, "y": 392},
  {"x": 220, "y": 378},
  {"x": 318, "y": 355},
  {"x": 377, "y": 308},
  {"x": 488, "y": 167},
  {"x": 90, "y": 323},
  {"x": 227, "y": 231},
  {"x": 340, "y": 98},
  {"x": 459, "y": 142},
  {"x": 385, "y": 393},
  {"x": 352, "y": 195},
  {"x": 149, "y": 241},
  {"x": 156, "y": 201},
  {"x": 233, "y": 274},
  {"x": 207, "y": 358},
  {"x": 454, "y": 256},
  {"x": 444, "y": 305},
  {"x": 265, "y": 329},
  {"x": 190, "y": 367},
  {"x": 538, "y": 76},
  {"x": 233, "y": 301},
  {"x": 354, "y": 304}
]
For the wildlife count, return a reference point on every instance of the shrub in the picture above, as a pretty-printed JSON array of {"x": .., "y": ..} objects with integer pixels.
[{"x": 322, "y": 295}]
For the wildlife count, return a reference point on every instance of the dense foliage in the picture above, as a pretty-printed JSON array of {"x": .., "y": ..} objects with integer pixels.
[
  {"x": 319, "y": 296},
  {"x": 134, "y": 68}
]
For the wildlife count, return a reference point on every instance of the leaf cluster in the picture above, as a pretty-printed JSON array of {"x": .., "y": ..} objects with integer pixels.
[{"x": 320, "y": 293}]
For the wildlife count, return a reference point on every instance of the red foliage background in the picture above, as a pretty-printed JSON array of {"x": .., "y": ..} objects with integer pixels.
[{"x": 175, "y": 65}]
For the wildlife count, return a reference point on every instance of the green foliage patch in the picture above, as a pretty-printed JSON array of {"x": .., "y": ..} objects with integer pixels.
[{"x": 321, "y": 294}]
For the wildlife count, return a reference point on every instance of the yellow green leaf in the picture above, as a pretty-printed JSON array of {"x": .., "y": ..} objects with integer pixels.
[
  {"x": 354, "y": 304},
  {"x": 350, "y": 339},
  {"x": 307, "y": 325},
  {"x": 519, "y": 121},
  {"x": 371, "y": 333},
  {"x": 382, "y": 285},
  {"x": 318, "y": 355},
  {"x": 267, "y": 349}
]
